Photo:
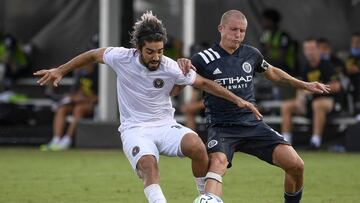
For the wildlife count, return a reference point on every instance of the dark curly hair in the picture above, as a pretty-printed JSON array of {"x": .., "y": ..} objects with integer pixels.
[{"x": 149, "y": 28}]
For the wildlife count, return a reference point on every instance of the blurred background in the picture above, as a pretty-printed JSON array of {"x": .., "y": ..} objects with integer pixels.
[{"x": 46, "y": 33}]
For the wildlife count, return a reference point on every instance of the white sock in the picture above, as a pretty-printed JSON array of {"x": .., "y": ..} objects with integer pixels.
[
  {"x": 154, "y": 194},
  {"x": 200, "y": 184},
  {"x": 55, "y": 140},
  {"x": 287, "y": 137},
  {"x": 65, "y": 142},
  {"x": 316, "y": 140}
]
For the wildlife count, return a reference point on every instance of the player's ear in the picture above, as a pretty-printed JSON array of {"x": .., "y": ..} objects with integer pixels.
[
  {"x": 138, "y": 49},
  {"x": 220, "y": 28}
]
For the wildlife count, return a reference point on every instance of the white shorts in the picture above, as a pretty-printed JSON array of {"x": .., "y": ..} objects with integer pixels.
[{"x": 164, "y": 140}]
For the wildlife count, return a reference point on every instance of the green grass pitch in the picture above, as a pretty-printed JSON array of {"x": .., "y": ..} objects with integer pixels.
[{"x": 105, "y": 176}]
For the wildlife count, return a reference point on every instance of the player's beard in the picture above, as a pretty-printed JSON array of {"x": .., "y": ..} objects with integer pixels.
[{"x": 151, "y": 65}]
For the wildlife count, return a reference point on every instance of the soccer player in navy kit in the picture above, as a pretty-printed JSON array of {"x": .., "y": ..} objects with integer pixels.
[{"x": 230, "y": 129}]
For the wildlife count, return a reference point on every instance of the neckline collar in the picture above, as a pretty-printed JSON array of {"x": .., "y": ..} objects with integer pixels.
[{"x": 224, "y": 52}]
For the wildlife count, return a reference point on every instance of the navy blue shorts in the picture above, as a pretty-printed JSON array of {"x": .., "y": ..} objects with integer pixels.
[{"x": 259, "y": 140}]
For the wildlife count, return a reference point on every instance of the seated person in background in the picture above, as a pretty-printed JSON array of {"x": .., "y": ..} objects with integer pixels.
[
  {"x": 13, "y": 61},
  {"x": 280, "y": 50},
  {"x": 192, "y": 108},
  {"x": 315, "y": 70},
  {"x": 327, "y": 54},
  {"x": 79, "y": 104},
  {"x": 353, "y": 71}
]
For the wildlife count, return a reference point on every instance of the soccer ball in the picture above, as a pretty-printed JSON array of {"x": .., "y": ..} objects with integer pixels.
[{"x": 208, "y": 198}]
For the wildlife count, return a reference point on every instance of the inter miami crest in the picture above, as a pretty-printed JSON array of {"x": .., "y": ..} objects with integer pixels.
[
  {"x": 176, "y": 126},
  {"x": 158, "y": 83},
  {"x": 135, "y": 150}
]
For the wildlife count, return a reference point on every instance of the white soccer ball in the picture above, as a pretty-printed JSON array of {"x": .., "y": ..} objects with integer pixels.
[{"x": 208, "y": 198}]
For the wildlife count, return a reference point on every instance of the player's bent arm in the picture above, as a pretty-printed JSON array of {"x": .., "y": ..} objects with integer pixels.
[
  {"x": 277, "y": 75},
  {"x": 217, "y": 90},
  {"x": 214, "y": 89}
]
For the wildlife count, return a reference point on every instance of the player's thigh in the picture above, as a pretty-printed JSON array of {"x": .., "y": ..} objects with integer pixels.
[
  {"x": 261, "y": 142},
  {"x": 192, "y": 146},
  {"x": 286, "y": 157},
  {"x": 172, "y": 136},
  {"x": 220, "y": 146},
  {"x": 136, "y": 145}
]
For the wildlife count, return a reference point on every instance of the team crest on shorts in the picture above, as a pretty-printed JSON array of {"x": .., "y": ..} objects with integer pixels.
[
  {"x": 135, "y": 150},
  {"x": 176, "y": 126},
  {"x": 158, "y": 83},
  {"x": 212, "y": 143},
  {"x": 246, "y": 67}
]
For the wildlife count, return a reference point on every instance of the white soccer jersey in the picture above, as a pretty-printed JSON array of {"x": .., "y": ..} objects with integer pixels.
[{"x": 143, "y": 95}]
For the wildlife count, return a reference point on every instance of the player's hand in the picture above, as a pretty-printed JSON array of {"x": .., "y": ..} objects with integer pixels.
[
  {"x": 185, "y": 65},
  {"x": 245, "y": 104},
  {"x": 317, "y": 87},
  {"x": 51, "y": 76}
]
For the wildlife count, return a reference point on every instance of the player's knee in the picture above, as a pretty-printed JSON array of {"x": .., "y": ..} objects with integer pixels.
[
  {"x": 147, "y": 167},
  {"x": 218, "y": 164},
  {"x": 297, "y": 167}
]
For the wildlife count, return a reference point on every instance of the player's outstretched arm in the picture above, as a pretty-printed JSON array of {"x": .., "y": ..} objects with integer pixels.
[
  {"x": 53, "y": 76},
  {"x": 278, "y": 75},
  {"x": 217, "y": 90}
]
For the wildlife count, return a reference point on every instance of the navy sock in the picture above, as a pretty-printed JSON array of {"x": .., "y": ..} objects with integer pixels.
[{"x": 293, "y": 197}]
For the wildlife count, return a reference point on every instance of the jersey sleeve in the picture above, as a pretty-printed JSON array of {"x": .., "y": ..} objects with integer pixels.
[
  {"x": 113, "y": 54},
  {"x": 187, "y": 79},
  {"x": 199, "y": 63},
  {"x": 260, "y": 64}
]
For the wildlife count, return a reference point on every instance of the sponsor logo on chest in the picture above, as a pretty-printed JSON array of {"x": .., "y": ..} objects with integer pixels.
[{"x": 236, "y": 82}]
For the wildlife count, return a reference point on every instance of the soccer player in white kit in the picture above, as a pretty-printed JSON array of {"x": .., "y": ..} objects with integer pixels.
[{"x": 145, "y": 79}]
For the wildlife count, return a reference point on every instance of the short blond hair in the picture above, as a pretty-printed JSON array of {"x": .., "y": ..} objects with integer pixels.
[{"x": 231, "y": 13}]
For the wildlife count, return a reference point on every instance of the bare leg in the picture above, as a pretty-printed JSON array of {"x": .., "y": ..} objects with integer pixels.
[
  {"x": 218, "y": 165},
  {"x": 149, "y": 172},
  {"x": 286, "y": 158},
  {"x": 193, "y": 147}
]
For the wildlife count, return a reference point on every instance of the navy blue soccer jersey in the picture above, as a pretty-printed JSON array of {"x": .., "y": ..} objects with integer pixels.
[{"x": 236, "y": 73}]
